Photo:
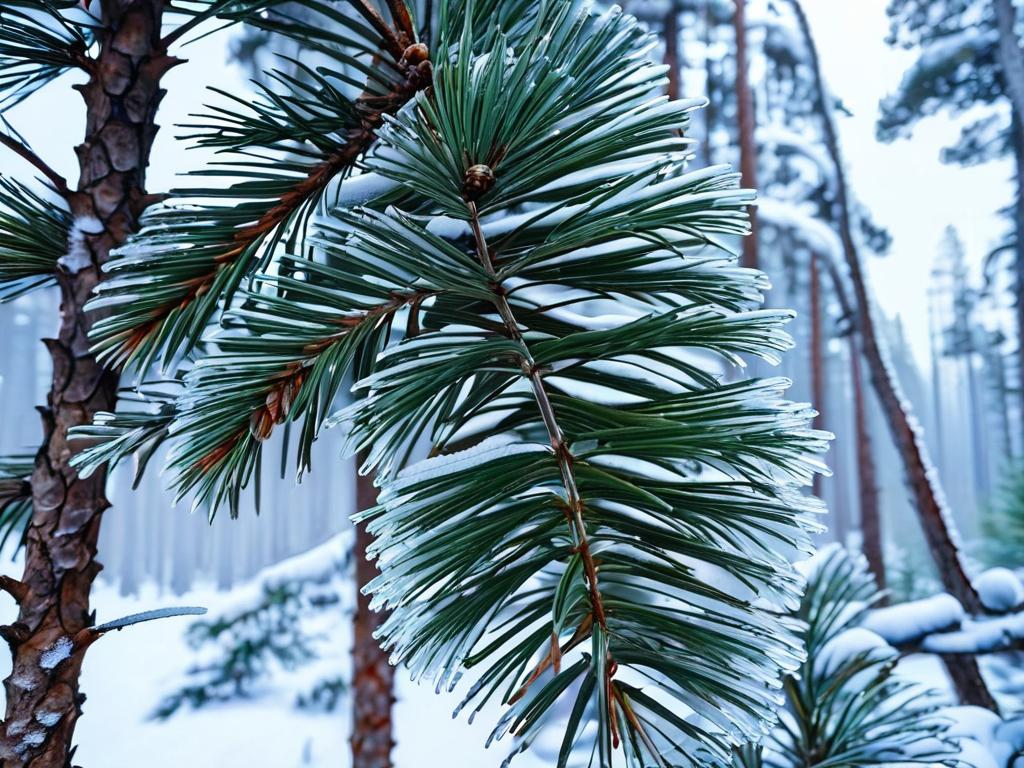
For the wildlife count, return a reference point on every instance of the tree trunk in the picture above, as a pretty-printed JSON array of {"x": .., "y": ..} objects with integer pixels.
[
  {"x": 48, "y": 640},
  {"x": 1011, "y": 62},
  {"x": 373, "y": 677},
  {"x": 937, "y": 525},
  {"x": 745, "y": 117},
  {"x": 998, "y": 366},
  {"x": 937, "y": 528},
  {"x": 965, "y": 675},
  {"x": 817, "y": 357},
  {"x": 867, "y": 483},
  {"x": 671, "y": 32},
  {"x": 934, "y": 337}
]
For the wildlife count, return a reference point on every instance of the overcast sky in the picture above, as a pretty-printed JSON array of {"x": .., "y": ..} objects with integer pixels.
[{"x": 906, "y": 187}]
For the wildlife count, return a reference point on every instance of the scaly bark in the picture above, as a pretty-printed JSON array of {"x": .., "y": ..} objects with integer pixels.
[
  {"x": 373, "y": 678},
  {"x": 970, "y": 685},
  {"x": 746, "y": 119},
  {"x": 49, "y": 639}
]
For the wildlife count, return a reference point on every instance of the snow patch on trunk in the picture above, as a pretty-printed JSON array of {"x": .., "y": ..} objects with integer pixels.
[
  {"x": 56, "y": 653},
  {"x": 78, "y": 256}
]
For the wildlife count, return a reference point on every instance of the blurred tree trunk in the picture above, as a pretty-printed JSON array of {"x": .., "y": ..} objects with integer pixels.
[
  {"x": 49, "y": 639},
  {"x": 867, "y": 476},
  {"x": 709, "y": 84},
  {"x": 919, "y": 477},
  {"x": 1017, "y": 133},
  {"x": 934, "y": 340},
  {"x": 373, "y": 678},
  {"x": 1011, "y": 62},
  {"x": 1002, "y": 410},
  {"x": 965, "y": 675},
  {"x": 817, "y": 356},
  {"x": 671, "y": 33},
  {"x": 746, "y": 119}
]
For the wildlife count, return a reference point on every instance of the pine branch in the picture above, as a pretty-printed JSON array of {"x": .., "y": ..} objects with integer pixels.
[
  {"x": 211, "y": 12},
  {"x": 530, "y": 369},
  {"x": 39, "y": 41},
  {"x": 34, "y": 235},
  {"x": 263, "y": 375},
  {"x": 478, "y": 569},
  {"x": 15, "y": 504},
  {"x": 138, "y": 429},
  {"x": 236, "y": 238},
  {"x": 841, "y": 702}
]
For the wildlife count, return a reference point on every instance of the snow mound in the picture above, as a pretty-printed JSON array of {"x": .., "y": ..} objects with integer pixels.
[
  {"x": 1000, "y": 590},
  {"x": 984, "y": 739}
]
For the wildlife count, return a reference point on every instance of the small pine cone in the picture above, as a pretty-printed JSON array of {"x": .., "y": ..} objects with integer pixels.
[
  {"x": 477, "y": 182},
  {"x": 415, "y": 54}
]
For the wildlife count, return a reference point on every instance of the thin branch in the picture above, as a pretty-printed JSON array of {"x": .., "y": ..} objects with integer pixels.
[
  {"x": 403, "y": 21},
  {"x": 89, "y": 635},
  {"x": 260, "y": 422},
  {"x": 547, "y": 411},
  {"x": 372, "y": 15},
  {"x": 357, "y": 142},
  {"x": 16, "y": 589},
  {"x": 58, "y": 181},
  {"x": 1003, "y": 644}
]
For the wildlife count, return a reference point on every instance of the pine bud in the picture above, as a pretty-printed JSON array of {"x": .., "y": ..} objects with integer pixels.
[
  {"x": 477, "y": 182},
  {"x": 415, "y": 54}
]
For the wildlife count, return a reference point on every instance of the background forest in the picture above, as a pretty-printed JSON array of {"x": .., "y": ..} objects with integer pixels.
[{"x": 886, "y": 144}]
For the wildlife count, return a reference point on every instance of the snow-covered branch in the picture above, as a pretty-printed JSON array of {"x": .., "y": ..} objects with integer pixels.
[{"x": 939, "y": 624}]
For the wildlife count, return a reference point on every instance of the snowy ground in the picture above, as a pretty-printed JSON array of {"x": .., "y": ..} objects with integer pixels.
[{"x": 126, "y": 673}]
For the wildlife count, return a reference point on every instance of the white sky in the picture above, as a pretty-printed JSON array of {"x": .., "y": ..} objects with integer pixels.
[{"x": 906, "y": 187}]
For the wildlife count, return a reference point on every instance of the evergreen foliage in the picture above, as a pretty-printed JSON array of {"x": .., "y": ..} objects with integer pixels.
[
  {"x": 15, "y": 495},
  {"x": 33, "y": 236},
  {"x": 545, "y": 535},
  {"x": 526, "y": 274},
  {"x": 847, "y": 707},
  {"x": 242, "y": 648},
  {"x": 39, "y": 41}
]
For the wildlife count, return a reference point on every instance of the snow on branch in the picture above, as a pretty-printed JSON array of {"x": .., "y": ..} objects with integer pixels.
[
  {"x": 939, "y": 624},
  {"x": 138, "y": 618}
]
